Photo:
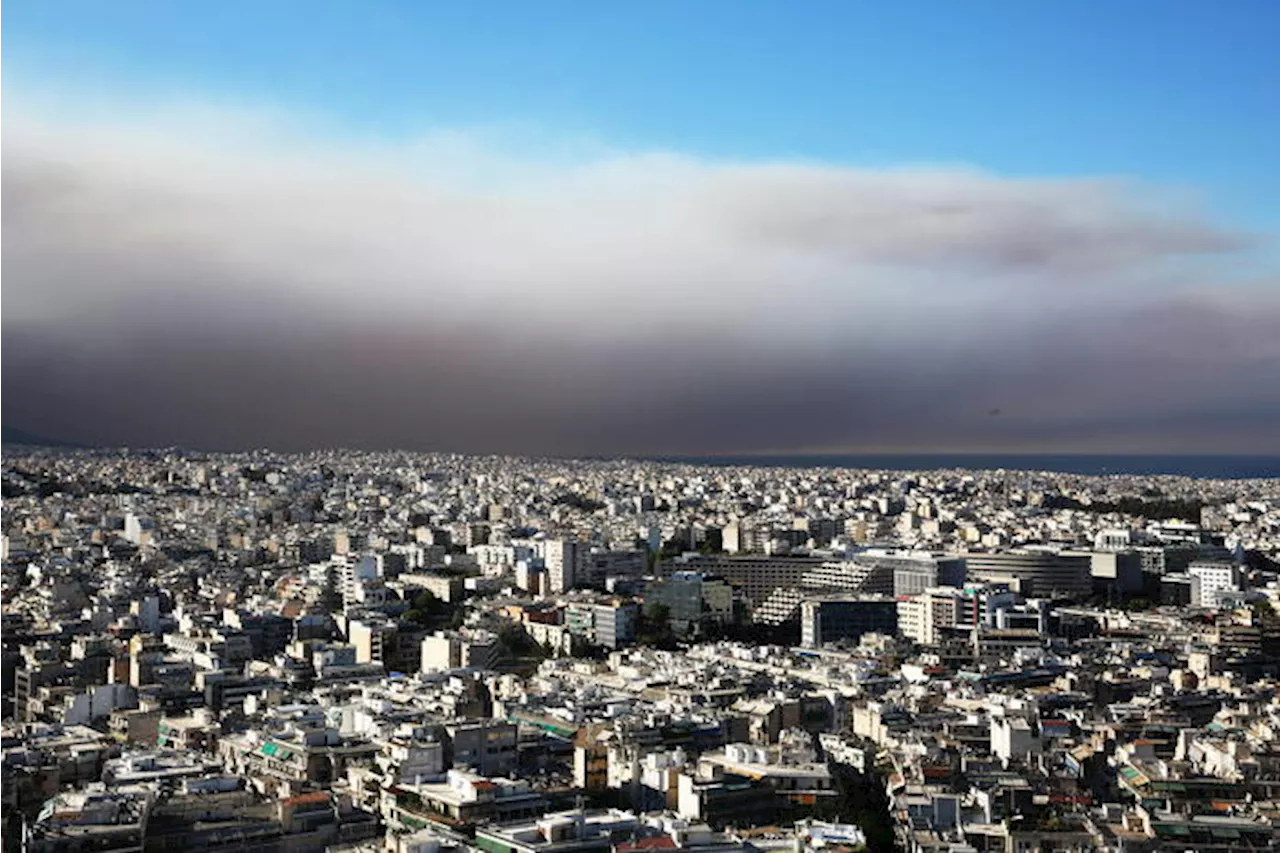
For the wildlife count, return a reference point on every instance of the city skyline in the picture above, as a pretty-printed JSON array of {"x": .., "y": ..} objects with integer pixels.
[
  {"x": 672, "y": 427},
  {"x": 661, "y": 231}
]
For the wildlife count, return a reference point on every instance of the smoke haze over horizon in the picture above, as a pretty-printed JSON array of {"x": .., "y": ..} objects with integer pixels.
[{"x": 183, "y": 272}]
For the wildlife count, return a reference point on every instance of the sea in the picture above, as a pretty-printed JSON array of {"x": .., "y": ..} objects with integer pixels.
[{"x": 1215, "y": 467}]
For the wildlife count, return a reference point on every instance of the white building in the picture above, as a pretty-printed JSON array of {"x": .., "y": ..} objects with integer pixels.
[
  {"x": 351, "y": 573},
  {"x": 564, "y": 559},
  {"x": 1012, "y": 739},
  {"x": 922, "y": 617},
  {"x": 454, "y": 650},
  {"x": 138, "y": 529},
  {"x": 1210, "y": 580},
  {"x": 532, "y": 579},
  {"x": 371, "y": 639}
]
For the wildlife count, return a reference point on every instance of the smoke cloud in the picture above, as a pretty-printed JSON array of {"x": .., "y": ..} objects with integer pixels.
[{"x": 225, "y": 283}]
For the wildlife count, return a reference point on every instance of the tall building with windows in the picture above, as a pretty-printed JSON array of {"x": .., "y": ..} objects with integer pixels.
[
  {"x": 692, "y": 598},
  {"x": 446, "y": 650},
  {"x": 615, "y": 624},
  {"x": 1210, "y": 579},
  {"x": 1041, "y": 574},
  {"x": 922, "y": 617},
  {"x": 926, "y": 617},
  {"x": 757, "y": 576},
  {"x": 564, "y": 560},
  {"x": 845, "y": 617}
]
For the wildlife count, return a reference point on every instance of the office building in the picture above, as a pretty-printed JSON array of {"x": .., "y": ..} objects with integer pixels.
[
  {"x": 1211, "y": 580},
  {"x": 692, "y": 598},
  {"x": 1041, "y": 574},
  {"x": 833, "y": 618}
]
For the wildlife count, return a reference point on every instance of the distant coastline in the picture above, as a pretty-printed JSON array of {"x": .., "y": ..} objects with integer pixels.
[{"x": 1224, "y": 467}]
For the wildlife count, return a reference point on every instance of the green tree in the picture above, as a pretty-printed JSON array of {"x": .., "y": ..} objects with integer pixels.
[
  {"x": 429, "y": 611},
  {"x": 419, "y": 617},
  {"x": 657, "y": 617},
  {"x": 1264, "y": 613},
  {"x": 515, "y": 641},
  {"x": 654, "y": 627}
]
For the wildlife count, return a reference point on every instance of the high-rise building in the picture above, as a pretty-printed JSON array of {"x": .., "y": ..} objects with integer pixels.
[
  {"x": 615, "y": 624},
  {"x": 925, "y": 618},
  {"x": 352, "y": 572},
  {"x": 915, "y": 572},
  {"x": 860, "y": 576},
  {"x": 564, "y": 560},
  {"x": 921, "y": 617},
  {"x": 602, "y": 565},
  {"x": 731, "y": 537},
  {"x": 609, "y": 624},
  {"x": 1115, "y": 572},
  {"x": 373, "y": 639}
]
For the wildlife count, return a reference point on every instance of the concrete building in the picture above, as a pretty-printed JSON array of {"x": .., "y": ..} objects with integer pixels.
[
  {"x": 724, "y": 798},
  {"x": 922, "y": 617},
  {"x": 611, "y": 624},
  {"x": 840, "y": 617},
  {"x": 373, "y": 639},
  {"x": 1044, "y": 574},
  {"x": 487, "y": 747},
  {"x": 1211, "y": 580},
  {"x": 446, "y": 650},
  {"x": 757, "y": 576},
  {"x": 559, "y": 832},
  {"x": 1115, "y": 573},
  {"x": 692, "y": 598},
  {"x": 470, "y": 798},
  {"x": 565, "y": 561},
  {"x": 447, "y": 588},
  {"x": 1013, "y": 738},
  {"x": 908, "y": 572},
  {"x": 602, "y": 565}
]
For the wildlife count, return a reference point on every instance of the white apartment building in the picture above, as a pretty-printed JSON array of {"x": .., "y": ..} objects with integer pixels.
[
  {"x": 444, "y": 651},
  {"x": 564, "y": 559},
  {"x": 1210, "y": 580},
  {"x": 921, "y": 616}
]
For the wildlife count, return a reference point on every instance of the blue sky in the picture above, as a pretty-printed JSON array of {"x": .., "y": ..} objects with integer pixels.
[{"x": 1181, "y": 93}]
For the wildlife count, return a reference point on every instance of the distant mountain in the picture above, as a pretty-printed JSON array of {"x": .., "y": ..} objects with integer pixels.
[{"x": 13, "y": 435}]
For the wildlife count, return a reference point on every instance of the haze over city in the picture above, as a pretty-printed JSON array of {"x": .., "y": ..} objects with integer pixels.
[{"x": 665, "y": 229}]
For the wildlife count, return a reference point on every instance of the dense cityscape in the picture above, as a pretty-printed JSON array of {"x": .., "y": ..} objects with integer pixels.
[
  {"x": 732, "y": 426},
  {"x": 410, "y": 652}
]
